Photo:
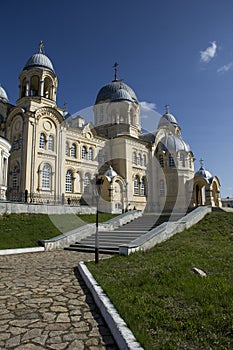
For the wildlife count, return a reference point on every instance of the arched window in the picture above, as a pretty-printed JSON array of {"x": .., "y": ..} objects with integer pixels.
[
  {"x": 34, "y": 86},
  {"x": 134, "y": 158},
  {"x": 182, "y": 160},
  {"x": 162, "y": 188},
  {"x": 42, "y": 141},
  {"x": 84, "y": 152},
  {"x": 171, "y": 161},
  {"x": 143, "y": 187},
  {"x": 46, "y": 177},
  {"x": 144, "y": 159},
  {"x": 73, "y": 150},
  {"x": 161, "y": 160},
  {"x": 86, "y": 183},
  {"x": 48, "y": 88},
  {"x": 51, "y": 143},
  {"x": 136, "y": 185},
  {"x": 69, "y": 181},
  {"x": 90, "y": 154},
  {"x": 20, "y": 142},
  {"x": 67, "y": 148},
  {"x": 15, "y": 177},
  {"x": 15, "y": 144},
  {"x": 139, "y": 160}
]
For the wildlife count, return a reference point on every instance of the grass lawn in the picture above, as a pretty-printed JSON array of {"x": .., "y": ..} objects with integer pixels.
[
  {"x": 22, "y": 230},
  {"x": 25, "y": 230},
  {"x": 90, "y": 218},
  {"x": 68, "y": 222},
  {"x": 164, "y": 303}
]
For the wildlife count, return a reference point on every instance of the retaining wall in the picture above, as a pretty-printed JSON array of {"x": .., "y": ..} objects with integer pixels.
[{"x": 24, "y": 208}]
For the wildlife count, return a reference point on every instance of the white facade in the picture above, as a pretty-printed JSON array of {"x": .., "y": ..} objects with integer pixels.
[
  {"x": 4, "y": 155},
  {"x": 57, "y": 158}
]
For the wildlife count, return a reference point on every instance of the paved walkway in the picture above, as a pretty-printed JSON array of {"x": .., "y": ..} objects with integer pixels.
[{"x": 44, "y": 304}]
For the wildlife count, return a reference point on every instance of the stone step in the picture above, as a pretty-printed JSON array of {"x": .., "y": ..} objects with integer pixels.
[
  {"x": 109, "y": 241},
  {"x": 91, "y": 249},
  {"x": 108, "y": 245},
  {"x": 118, "y": 233},
  {"x": 105, "y": 242}
]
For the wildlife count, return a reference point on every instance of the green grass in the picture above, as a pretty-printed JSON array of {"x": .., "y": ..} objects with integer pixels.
[
  {"x": 22, "y": 230},
  {"x": 25, "y": 230},
  {"x": 90, "y": 218},
  {"x": 163, "y": 302},
  {"x": 68, "y": 222}
]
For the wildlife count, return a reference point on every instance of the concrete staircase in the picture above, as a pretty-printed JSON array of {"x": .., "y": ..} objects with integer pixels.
[{"x": 110, "y": 241}]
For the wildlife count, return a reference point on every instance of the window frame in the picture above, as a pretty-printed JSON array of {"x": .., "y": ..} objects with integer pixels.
[
  {"x": 171, "y": 161},
  {"x": 46, "y": 177},
  {"x": 42, "y": 141},
  {"x": 136, "y": 185},
  {"x": 51, "y": 143},
  {"x": 90, "y": 153},
  {"x": 73, "y": 150},
  {"x": 69, "y": 182},
  {"x": 161, "y": 160},
  {"x": 84, "y": 152},
  {"x": 15, "y": 177},
  {"x": 143, "y": 187}
]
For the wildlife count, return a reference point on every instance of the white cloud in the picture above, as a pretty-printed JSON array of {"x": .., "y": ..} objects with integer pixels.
[
  {"x": 209, "y": 53},
  {"x": 149, "y": 116},
  {"x": 225, "y": 68},
  {"x": 147, "y": 109}
]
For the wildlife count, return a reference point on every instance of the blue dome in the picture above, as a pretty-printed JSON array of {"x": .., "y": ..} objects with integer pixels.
[
  {"x": 167, "y": 118},
  {"x": 173, "y": 143},
  {"x": 108, "y": 91},
  {"x": 204, "y": 173},
  {"x": 121, "y": 95},
  {"x": 39, "y": 60},
  {"x": 3, "y": 95}
]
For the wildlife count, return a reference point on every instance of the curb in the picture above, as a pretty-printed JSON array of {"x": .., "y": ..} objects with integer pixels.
[
  {"x": 120, "y": 332},
  {"x": 21, "y": 250}
]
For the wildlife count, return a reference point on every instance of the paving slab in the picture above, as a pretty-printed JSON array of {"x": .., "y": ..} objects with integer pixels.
[{"x": 45, "y": 304}]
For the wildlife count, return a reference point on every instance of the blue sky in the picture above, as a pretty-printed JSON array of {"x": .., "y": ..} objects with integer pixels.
[{"x": 178, "y": 52}]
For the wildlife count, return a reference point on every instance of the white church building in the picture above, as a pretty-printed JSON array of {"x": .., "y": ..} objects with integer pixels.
[{"x": 56, "y": 158}]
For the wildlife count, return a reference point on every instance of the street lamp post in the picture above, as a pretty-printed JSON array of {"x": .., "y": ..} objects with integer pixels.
[{"x": 98, "y": 184}]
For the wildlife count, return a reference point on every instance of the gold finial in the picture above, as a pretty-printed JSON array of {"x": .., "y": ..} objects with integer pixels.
[
  {"x": 115, "y": 70},
  {"x": 41, "y": 47},
  {"x": 166, "y": 108}
]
